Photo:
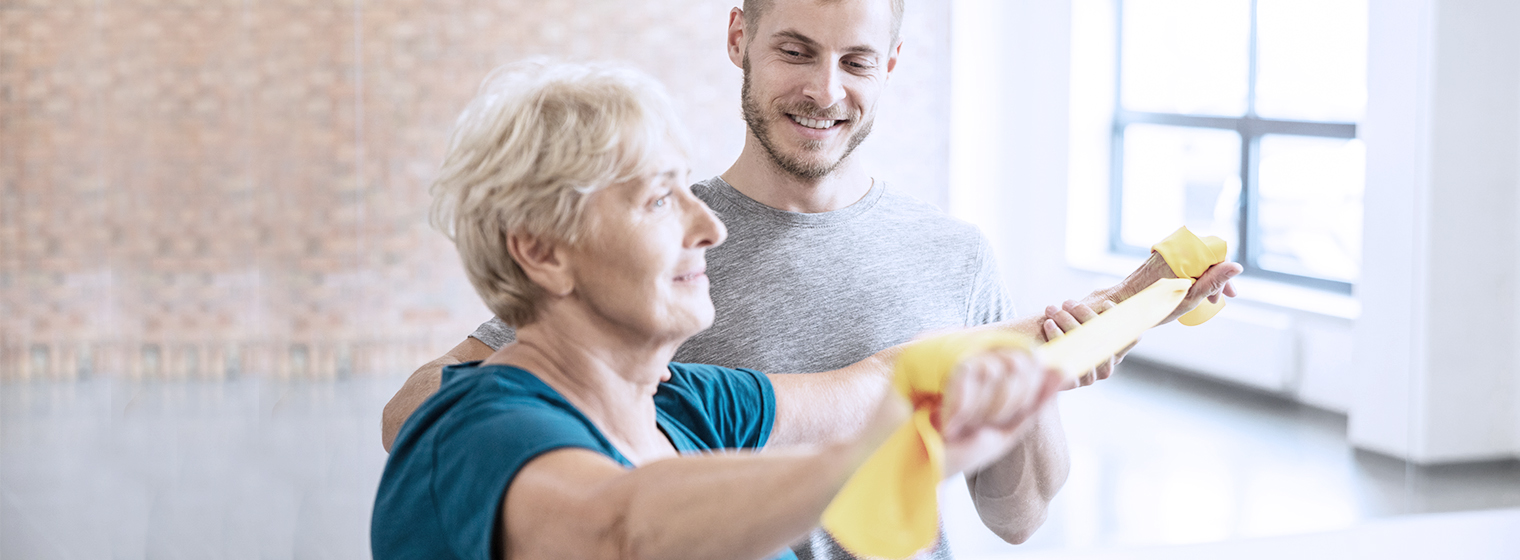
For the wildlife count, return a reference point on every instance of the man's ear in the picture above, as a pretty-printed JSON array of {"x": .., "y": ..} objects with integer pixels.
[
  {"x": 892, "y": 58},
  {"x": 543, "y": 261},
  {"x": 736, "y": 38}
]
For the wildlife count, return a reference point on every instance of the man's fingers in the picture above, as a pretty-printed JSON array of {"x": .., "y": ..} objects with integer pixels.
[
  {"x": 1081, "y": 312},
  {"x": 1229, "y": 289},
  {"x": 1065, "y": 320},
  {"x": 1052, "y": 331}
]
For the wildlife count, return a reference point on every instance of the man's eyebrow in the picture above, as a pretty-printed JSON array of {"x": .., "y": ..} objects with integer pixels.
[{"x": 804, "y": 39}]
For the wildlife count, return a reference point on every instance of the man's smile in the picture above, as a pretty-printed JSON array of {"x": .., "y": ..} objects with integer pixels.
[{"x": 819, "y": 124}]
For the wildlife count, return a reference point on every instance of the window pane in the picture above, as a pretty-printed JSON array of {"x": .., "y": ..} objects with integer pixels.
[
  {"x": 1310, "y": 207},
  {"x": 1186, "y": 56},
  {"x": 1311, "y": 59},
  {"x": 1177, "y": 176}
]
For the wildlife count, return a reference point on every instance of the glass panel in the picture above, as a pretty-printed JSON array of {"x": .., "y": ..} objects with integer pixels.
[
  {"x": 1177, "y": 176},
  {"x": 1310, "y": 206},
  {"x": 1311, "y": 59},
  {"x": 1186, "y": 56}
]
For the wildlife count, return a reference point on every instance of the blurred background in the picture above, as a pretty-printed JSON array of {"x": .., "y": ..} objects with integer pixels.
[{"x": 215, "y": 267}]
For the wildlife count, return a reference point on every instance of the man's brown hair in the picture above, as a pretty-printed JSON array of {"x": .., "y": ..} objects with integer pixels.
[{"x": 754, "y": 9}]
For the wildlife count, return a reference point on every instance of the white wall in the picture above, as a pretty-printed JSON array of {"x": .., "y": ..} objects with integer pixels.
[{"x": 1025, "y": 167}]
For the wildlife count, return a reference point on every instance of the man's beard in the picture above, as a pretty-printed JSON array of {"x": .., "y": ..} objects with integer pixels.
[{"x": 754, "y": 118}]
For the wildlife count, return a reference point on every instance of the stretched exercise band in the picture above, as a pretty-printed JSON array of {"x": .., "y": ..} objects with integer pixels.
[{"x": 889, "y": 508}]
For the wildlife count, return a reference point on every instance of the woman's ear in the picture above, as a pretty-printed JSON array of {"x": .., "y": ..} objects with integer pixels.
[{"x": 543, "y": 261}]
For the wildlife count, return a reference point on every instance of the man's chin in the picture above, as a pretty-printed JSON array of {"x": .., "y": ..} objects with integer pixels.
[{"x": 809, "y": 168}]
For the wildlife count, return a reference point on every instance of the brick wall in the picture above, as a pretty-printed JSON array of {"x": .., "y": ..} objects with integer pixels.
[{"x": 213, "y": 188}]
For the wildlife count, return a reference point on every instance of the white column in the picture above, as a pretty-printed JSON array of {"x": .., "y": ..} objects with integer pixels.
[{"x": 1437, "y": 371}]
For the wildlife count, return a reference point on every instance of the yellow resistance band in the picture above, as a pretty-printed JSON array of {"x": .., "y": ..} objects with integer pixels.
[
  {"x": 890, "y": 508},
  {"x": 1189, "y": 256}
]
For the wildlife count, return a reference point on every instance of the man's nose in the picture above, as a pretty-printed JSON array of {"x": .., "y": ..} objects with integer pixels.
[{"x": 825, "y": 86}]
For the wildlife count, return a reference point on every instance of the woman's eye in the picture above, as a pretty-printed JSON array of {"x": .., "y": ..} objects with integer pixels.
[{"x": 660, "y": 202}]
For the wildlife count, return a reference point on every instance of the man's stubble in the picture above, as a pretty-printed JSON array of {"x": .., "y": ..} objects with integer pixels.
[{"x": 754, "y": 118}]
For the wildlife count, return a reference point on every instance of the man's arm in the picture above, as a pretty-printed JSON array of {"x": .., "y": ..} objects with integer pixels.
[
  {"x": 1012, "y": 495},
  {"x": 422, "y": 384}
]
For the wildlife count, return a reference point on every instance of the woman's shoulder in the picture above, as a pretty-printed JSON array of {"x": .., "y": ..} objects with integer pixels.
[
  {"x": 725, "y": 407},
  {"x": 494, "y": 400}
]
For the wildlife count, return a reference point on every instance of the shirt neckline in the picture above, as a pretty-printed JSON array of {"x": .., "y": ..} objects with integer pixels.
[
  {"x": 661, "y": 419},
  {"x": 742, "y": 202}
]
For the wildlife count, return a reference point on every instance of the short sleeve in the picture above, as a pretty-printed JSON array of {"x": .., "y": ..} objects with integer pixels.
[
  {"x": 477, "y": 458},
  {"x": 494, "y": 333},
  {"x": 988, "y": 301},
  {"x": 739, "y": 405}
]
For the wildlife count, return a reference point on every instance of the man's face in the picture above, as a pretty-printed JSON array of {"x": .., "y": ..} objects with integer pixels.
[{"x": 813, "y": 72}]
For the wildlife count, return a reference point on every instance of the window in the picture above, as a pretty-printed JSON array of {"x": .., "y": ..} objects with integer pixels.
[{"x": 1238, "y": 119}]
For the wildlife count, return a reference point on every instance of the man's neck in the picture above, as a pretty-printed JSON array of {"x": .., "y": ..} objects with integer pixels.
[{"x": 757, "y": 176}]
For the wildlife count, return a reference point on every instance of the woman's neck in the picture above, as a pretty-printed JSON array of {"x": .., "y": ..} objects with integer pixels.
[{"x": 610, "y": 381}]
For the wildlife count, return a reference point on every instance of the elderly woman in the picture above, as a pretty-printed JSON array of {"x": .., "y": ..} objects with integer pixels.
[{"x": 565, "y": 191}]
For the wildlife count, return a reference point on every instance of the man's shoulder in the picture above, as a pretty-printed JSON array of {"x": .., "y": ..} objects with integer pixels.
[{"x": 901, "y": 210}]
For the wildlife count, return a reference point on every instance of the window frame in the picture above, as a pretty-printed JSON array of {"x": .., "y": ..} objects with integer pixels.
[{"x": 1251, "y": 129}]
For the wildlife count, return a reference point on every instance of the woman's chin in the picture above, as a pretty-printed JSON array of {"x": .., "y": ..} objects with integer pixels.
[{"x": 695, "y": 321}]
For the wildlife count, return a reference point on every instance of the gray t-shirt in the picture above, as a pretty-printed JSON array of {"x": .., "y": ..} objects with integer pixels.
[{"x": 799, "y": 293}]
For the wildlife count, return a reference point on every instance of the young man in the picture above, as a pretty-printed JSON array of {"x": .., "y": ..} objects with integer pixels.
[{"x": 826, "y": 265}]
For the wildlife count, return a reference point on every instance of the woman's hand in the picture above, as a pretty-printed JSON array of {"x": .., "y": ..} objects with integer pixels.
[{"x": 989, "y": 401}]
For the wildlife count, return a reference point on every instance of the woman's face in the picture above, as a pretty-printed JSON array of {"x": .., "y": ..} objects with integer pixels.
[{"x": 641, "y": 264}]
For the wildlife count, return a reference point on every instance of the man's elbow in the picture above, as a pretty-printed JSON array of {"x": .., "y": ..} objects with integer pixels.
[
  {"x": 1019, "y": 531},
  {"x": 1014, "y": 523}
]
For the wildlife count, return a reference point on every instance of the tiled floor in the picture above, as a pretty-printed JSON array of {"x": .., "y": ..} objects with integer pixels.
[{"x": 263, "y": 469}]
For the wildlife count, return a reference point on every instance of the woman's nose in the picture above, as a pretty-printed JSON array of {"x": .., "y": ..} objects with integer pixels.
[{"x": 703, "y": 228}]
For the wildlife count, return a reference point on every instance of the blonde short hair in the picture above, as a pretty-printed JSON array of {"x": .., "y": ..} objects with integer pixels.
[{"x": 536, "y": 140}]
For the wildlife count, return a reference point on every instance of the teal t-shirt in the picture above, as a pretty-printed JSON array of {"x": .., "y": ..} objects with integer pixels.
[{"x": 453, "y": 460}]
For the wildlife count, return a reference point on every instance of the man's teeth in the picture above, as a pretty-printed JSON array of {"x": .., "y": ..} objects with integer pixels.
[{"x": 812, "y": 123}]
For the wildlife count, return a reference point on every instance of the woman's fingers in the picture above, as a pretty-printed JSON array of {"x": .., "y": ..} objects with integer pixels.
[{"x": 992, "y": 389}]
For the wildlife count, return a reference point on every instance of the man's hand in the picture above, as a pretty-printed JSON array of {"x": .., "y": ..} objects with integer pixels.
[
  {"x": 422, "y": 384},
  {"x": 1070, "y": 315},
  {"x": 989, "y": 403}
]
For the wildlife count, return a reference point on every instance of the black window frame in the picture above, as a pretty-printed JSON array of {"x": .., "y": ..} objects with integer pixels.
[{"x": 1251, "y": 129}]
